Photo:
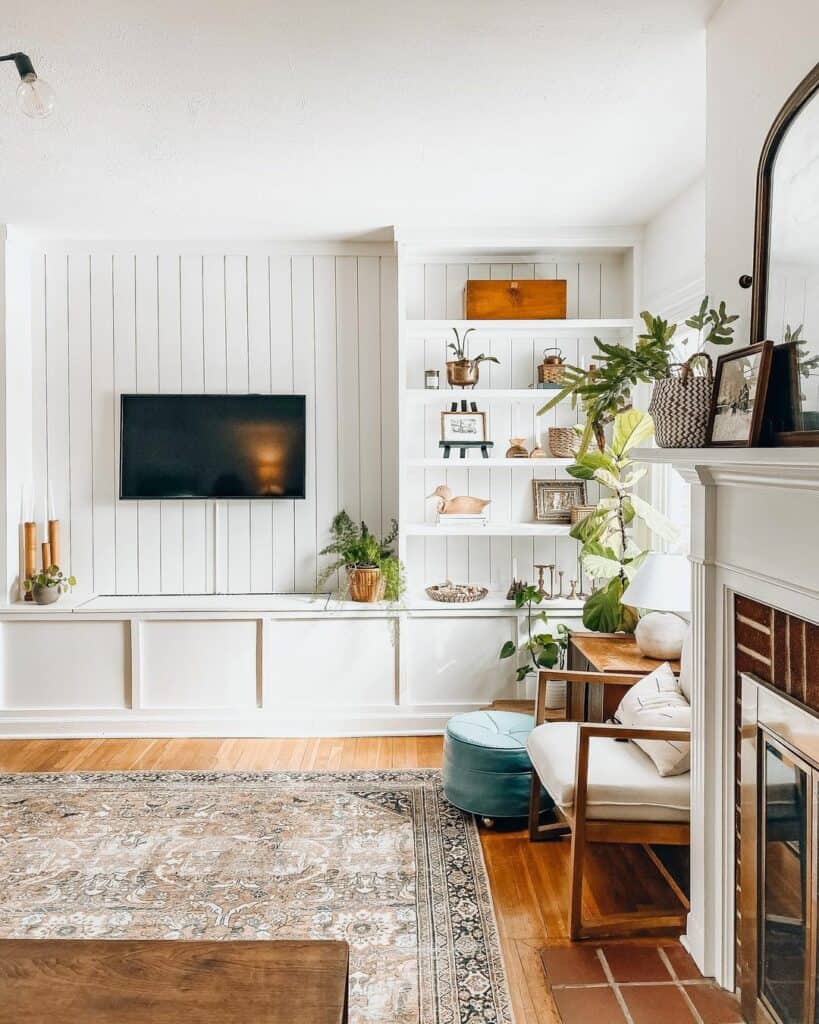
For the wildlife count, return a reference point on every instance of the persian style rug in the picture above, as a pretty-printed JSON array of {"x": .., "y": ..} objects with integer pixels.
[{"x": 377, "y": 858}]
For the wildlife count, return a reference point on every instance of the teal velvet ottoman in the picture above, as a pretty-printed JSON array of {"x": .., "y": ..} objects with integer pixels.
[{"x": 486, "y": 770}]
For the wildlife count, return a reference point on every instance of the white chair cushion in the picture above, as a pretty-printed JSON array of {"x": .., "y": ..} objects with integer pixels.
[
  {"x": 623, "y": 782},
  {"x": 657, "y": 702}
]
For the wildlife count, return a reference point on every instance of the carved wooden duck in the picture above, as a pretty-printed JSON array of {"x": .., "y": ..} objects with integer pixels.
[{"x": 448, "y": 504}]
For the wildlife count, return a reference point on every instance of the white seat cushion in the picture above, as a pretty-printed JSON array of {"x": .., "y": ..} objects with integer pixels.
[{"x": 623, "y": 782}]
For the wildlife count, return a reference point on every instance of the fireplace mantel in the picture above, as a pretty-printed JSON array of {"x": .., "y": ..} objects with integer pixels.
[
  {"x": 749, "y": 467},
  {"x": 754, "y": 516}
]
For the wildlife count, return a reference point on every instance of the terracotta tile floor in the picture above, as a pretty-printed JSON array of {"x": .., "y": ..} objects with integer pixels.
[{"x": 634, "y": 984}]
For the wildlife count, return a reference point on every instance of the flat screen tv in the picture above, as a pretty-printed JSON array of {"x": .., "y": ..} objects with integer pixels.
[{"x": 212, "y": 446}]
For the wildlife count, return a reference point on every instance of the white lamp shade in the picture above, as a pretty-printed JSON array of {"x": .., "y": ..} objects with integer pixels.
[{"x": 661, "y": 584}]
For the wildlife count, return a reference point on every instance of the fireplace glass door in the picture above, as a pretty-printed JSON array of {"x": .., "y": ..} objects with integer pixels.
[{"x": 785, "y": 969}]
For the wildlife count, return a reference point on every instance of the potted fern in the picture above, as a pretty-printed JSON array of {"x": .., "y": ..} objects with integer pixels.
[
  {"x": 373, "y": 571},
  {"x": 461, "y": 371}
]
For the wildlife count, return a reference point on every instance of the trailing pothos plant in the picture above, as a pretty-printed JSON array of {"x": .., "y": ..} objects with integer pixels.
[
  {"x": 610, "y": 555},
  {"x": 604, "y": 389},
  {"x": 355, "y": 547},
  {"x": 540, "y": 650}
]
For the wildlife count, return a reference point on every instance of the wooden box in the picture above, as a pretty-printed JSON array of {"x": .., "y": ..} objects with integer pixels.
[{"x": 515, "y": 300}]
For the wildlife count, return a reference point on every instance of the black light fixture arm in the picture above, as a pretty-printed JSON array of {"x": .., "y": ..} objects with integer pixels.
[{"x": 23, "y": 64}]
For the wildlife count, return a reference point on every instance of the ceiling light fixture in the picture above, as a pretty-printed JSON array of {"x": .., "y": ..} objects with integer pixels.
[{"x": 36, "y": 97}]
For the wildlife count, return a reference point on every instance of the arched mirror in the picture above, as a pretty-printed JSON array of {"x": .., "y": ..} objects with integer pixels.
[{"x": 785, "y": 306}]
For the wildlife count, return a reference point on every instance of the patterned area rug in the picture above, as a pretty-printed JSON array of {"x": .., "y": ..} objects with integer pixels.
[{"x": 377, "y": 858}]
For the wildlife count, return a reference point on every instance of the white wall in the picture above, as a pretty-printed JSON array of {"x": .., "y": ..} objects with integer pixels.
[
  {"x": 177, "y": 318},
  {"x": 674, "y": 254},
  {"x": 757, "y": 53}
]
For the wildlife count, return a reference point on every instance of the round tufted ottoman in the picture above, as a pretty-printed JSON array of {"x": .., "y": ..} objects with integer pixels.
[{"x": 486, "y": 770}]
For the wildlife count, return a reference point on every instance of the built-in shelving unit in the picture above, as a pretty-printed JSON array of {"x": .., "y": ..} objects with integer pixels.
[{"x": 601, "y": 301}]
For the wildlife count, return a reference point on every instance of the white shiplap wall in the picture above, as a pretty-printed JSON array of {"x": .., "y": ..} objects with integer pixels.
[
  {"x": 176, "y": 320},
  {"x": 598, "y": 286}
]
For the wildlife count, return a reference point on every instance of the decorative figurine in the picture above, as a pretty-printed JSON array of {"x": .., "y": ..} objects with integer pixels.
[
  {"x": 573, "y": 590},
  {"x": 560, "y": 575},
  {"x": 540, "y": 585},
  {"x": 517, "y": 449},
  {"x": 464, "y": 504}
]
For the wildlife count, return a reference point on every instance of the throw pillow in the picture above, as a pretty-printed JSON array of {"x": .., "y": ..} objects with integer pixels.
[{"x": 657, "y": 701}]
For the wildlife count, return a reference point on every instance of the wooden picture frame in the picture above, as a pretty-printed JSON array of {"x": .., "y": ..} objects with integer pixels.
[
  {"x": 746, "y": 410},
  {"x": 453, "y": 435},
  {"x": 554, "y": 499}
]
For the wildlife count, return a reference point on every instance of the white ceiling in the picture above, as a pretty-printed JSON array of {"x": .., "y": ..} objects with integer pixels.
[{"x": 322, "y": 119}]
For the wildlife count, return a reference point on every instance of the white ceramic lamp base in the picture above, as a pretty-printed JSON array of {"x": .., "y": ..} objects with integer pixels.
[{"x": 660, "y": 635}]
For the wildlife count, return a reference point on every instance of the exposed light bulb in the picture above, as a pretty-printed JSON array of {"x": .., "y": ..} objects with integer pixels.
[{"x": 36, "y": 97}]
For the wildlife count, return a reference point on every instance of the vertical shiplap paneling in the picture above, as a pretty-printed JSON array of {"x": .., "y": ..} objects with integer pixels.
[
  {"x": 147, "y": 365},
  {"x": 39, "y": 407},
  {"x": 281, "y": 375},
  {"x": 126, "y": 513},
  {"x": 214, "y": 333},
  {"x": 103, "y": 394},
  {"x": 237, "y": 513},
  {"x": 389, "y": 392},
  {"x": 436, "y": 549},
  {"x": 195, "y": 547},
  {"x": 348, "y": 385},
  {"x": 258, "y": 354},
  {"x": 304, "y": 382},
  {"x": 326, "y": 398},
  {"x": 57, "y": 398},
  {"x": 79, "y": 419},
  {"x": 369, "y": 389},
  {"x": 170, "y": 383}
]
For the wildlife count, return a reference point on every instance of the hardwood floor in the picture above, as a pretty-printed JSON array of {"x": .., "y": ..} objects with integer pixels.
[{"x": 530, "y": 881}]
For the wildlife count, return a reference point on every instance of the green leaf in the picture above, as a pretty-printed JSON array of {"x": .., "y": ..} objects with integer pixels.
[
  {"x": 654, "y": 520},
  {"x": 523, "y": 672},
  {"x": 580, "y": 472},
  {"x": 508, "y": 649},
  {"x": 601, "y": 568},
  {"x": 601, "y": 612},
  {"x": 607, "y": 479},
  {"x": 631, "y": 429},
  {"x": 549, "y": 656}
]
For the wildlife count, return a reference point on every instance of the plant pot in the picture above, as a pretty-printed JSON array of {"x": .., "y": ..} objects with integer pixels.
[
  {"x": 45, "y": 595},
  {"x": 556, "y": 694},
  {"x": 462, "y": 373},
  {"x": 366, "y": 584},
  {"x": 680, "y": 407}
]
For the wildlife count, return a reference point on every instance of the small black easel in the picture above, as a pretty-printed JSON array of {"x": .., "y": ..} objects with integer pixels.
[{"x": 463, "y": 445}]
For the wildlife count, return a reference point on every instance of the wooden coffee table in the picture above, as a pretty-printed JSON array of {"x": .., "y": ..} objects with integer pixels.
[{"x": 137, "y": 982}]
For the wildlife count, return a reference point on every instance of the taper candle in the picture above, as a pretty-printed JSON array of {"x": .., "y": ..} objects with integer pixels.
[
  {"x": 47, "y": 563},
  {"x": 51, "y": 513},
  {"x": 514, "y": 568},
  {"x": 54, "y": 540}
]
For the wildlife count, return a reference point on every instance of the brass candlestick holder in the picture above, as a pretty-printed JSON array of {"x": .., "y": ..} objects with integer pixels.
[{"x": 541, "y": 589}]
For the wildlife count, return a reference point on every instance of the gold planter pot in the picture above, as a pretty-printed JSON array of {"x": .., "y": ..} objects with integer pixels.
[
  {"x": 366, "y": 585},
  {"x": 462, "y": 373}
]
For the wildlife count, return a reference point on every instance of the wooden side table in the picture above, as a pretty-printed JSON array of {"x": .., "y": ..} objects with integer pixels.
[{"x": 604, "y": 652}]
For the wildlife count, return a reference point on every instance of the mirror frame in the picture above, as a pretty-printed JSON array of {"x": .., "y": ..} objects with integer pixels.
[{"x": 805, "y": 91}]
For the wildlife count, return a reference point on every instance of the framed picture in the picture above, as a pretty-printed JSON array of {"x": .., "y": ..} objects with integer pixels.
[
  {"x": 463, "y": 427},
  {"x": 554, "y": 499},
  {"x": 738, "y": 402}
]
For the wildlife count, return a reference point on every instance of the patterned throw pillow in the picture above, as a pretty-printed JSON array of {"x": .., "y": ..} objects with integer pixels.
[{"x": 657, "y": 702}]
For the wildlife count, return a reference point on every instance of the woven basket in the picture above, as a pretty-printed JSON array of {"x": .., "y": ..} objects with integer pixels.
[
  {"x": 680, "y": 406},
  {"x": 580, "y": 512},
  {"x": 563, "y": 442},
  {"x": 366, "y": 585},
  {"x": 449, "y": 593}
]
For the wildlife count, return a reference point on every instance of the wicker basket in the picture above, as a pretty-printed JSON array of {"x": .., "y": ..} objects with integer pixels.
[
  {"x": 366, "y": 585},
  {"x": 680, "y": 406},
  {"x": 552, "y": 369},
  {"x": 454, "y": 593},
  {"x": 563, "y": 442},
  {"x": 580, "y": 512}
]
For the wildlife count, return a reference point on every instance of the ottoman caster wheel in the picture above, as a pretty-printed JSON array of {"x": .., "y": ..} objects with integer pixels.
[{"x": 488, "y": 822}]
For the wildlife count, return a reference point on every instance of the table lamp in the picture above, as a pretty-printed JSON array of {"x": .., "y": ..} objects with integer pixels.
[{"x": 662, "y": 586}]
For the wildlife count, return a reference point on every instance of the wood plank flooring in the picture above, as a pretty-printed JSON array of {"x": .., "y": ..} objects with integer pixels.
[{"x": 529, "y": 881}]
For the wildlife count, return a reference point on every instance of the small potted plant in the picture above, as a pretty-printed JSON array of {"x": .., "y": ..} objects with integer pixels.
[
  {"x": 374, "y": 573},
  {"x": 540, "y": 649},
  {"x": 463, "y": 372},
  {"x": 49, "y": 585}
]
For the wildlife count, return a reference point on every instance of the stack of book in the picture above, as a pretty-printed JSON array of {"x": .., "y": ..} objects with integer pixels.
[{"x": 462, "y": 519}]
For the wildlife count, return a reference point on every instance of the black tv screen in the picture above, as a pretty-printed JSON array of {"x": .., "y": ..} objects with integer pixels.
[{"x": 212, "y": 446}]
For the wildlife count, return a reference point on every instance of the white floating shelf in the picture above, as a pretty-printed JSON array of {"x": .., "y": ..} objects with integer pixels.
[
  {"x": 478, "y": 463},
  {"x": 429, "y": 396},
  {"x": 546, "y": 328},
  {"x": 490, "y": 530}
]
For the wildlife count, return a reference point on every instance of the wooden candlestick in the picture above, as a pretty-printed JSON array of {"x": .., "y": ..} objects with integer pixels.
[
  {"x": 54, "y": 540},
  {"x": 47, "y": 563},
  {"x": 30, "y": 548}
]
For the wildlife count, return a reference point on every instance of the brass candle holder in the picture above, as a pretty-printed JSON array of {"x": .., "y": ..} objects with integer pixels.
[{"x": 30, "y": 549}]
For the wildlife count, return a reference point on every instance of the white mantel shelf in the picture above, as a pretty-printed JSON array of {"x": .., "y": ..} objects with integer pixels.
[{"x": 749, "y": 467}]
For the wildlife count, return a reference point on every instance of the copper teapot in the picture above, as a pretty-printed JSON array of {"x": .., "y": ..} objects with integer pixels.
[{"x": 552, "y": 368}]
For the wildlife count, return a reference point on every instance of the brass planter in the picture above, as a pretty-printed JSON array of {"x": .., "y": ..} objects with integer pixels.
[
  {"x": 462, "y": 373},
  {"x": 366, "y": 584}
]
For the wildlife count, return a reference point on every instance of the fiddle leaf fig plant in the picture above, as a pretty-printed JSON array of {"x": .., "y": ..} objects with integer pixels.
[
  {"x": 540, "y": 650},
  {"x": 609, "y": 553},
  {"x": 459, "y": 349}
]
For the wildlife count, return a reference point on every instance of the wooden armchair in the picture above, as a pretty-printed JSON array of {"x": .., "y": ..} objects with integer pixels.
[{"x": 613, "y": 795}]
